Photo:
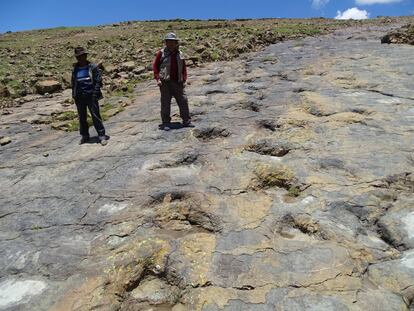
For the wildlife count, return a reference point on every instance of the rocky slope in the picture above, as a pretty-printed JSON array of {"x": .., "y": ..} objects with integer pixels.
[{"x": 293, "y": 192}]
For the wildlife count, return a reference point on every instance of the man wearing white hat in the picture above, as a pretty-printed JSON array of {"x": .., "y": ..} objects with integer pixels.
[{"x": 170, "y": 72}]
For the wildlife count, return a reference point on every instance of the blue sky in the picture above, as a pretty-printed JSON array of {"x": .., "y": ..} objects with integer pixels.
[{"x": 16, "y": 15}]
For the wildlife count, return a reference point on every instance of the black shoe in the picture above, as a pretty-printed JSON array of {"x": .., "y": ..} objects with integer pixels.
[
  {"x": 165, "y": 127},
  {"x": 84, "y": 140},
  {"x": 187, "y": 124},
  {"x": 104, "y": 140}
]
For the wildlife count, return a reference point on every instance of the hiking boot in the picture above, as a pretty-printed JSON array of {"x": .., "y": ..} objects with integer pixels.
[
  {"x": 165, "y": 127},
  {"x": 104, "y": 140},
  {"x": 187, "y": 124},
  {"x": 84, "y": 140}
]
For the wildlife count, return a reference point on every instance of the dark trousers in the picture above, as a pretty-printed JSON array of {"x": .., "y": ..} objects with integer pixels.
[
  {"x": 82, "y": 103},
  {"x": 170, "y": 89}
]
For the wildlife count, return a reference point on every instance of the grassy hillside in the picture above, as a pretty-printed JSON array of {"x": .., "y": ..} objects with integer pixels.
[{"x": 126, "y": 49}]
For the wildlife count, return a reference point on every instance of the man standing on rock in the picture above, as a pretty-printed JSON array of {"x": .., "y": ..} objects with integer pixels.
[
  {"x": 170, "y": 72},
  {"x": 86, "y": 91}
]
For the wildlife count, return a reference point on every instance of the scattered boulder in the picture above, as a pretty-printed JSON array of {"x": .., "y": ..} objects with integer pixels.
[
  {"x": 404, "y": 35},
  {"x": 4, "y": 92},
  {"x": 48, "y": 86},
  {"x": 128, "y": 66},
  {"x": 110, "y": 68},
  {"x": 122, "y": 75},
  {"x": 200, "y": 49},
  {"x": 67, "y": 79},
  {"x": 140, "y": 70},
  {"x": 193, "y": 61}
]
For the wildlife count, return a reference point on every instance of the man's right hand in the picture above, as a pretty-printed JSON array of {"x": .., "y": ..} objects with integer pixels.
[{"x": 159, "y": 83}]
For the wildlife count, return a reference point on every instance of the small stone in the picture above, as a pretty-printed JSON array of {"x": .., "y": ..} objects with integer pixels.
[
  {"x": 5, "y": 141},
  {"x": 45, "y": 155},
  {"x": 157, "y": 269}
]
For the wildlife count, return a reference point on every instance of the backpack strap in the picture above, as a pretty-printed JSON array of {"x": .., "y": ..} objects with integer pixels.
[
  {"x": 91, "y": 67},
  {"x": 164, "y": 56}
]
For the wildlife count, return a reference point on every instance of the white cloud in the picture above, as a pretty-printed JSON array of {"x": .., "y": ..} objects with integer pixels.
[
  {"x": 353, "y": 13},
  {"x": 317, "y": 4},
  {"x": 368, "y": 2}
]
